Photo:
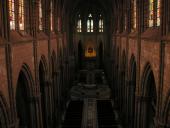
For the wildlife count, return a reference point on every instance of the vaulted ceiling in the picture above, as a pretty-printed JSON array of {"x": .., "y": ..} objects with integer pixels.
[{"x": 72, "y": 6}]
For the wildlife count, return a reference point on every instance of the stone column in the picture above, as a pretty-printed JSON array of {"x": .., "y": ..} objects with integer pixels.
[
  {"x": 130, "y": 108},
  {"x": 137, "y": 110},
  {"x": 55, "y": 91},
  {"x": 38, "y": 107},
  {"x": 143, "y": 101},
  {"x": 48, "y": 89},
  {"x": 33, "y": 112}
]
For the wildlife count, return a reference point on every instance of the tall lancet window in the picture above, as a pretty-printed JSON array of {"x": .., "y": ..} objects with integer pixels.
[
  {"x": 51, "y": 17},
  {"x": 90, "y": 24},
  {"x": 12, "y": 14},
  {"x": 158, "y": 13},
  {"x": 101, "y": 24},
  {"x": 79, "y": 24},
  {"x": 134, "y": 18},
  {"x": 151, "y": 12},
  {"x": 21, "y": 14},
  {"x": 40, "y": 16},
  {"x": 125, "y": 22}
]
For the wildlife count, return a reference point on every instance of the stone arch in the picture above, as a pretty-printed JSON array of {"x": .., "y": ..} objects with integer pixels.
[
  {"x": 54, "y": 61},
  {"x": 45, "y": 92},
  {"x": 116, "y": 95},
  {"x": 44, "y": 65},
  {"x": 122, "y": 85},
  {"x": 26, "y": 110},
  {"x": 148, "y": 98},
  {"x": 26, "y": 70},
  {"x": 54, "y": 88},
  {"x": 4, "y": 116},
  {"x": 131, "y": 92}
]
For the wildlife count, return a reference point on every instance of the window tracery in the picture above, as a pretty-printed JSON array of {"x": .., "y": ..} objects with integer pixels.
[
  {"x": 12, "y": 14},
  {"x": 21, "y": 15},
  {"x": 90, "y": 24},
  {"x": 101, "y": 24},
  {"x": 40, "y": 16}
]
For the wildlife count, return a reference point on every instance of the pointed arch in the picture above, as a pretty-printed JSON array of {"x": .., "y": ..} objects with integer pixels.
[
  {"x": 43, "y": 64},
  {"x": 131, "y": 92},
  {"x": 145, "y": 77},
  {"x": 132, "y": 66},
  {"x": 54, "y": 61},
  {"x": 24, "y": 92},
  {"x": 28, "y": 75},
  {"x": 54, "y": 88},
  {"x": 148, "y": 93},
  {"x": 45, "y": 91},
  {"x": 123, "y": 61},
  {"x": 123, "y": 91}
]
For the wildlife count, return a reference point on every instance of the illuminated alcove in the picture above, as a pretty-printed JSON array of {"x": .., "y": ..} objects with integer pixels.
[{"x": 90, "y": 50}]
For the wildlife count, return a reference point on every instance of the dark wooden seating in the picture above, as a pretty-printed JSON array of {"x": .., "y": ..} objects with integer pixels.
[
  {"x": 106, "y": 116},
  {"x": 73, "y": 117}
]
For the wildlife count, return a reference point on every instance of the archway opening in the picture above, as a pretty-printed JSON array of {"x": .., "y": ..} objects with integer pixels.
[
  {"x": 150, "y": 101},
  {"x": 44, "y": 97},
  {"x": 54, "y": 90},
  {"x": 151, "y": 108},
  {"x": 123, "y": 91},
  {"x": 131, "y": 95},
  {"x": 22, "y": 102}
]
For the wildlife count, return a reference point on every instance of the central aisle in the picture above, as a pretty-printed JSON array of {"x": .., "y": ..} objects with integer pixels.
[
  {"x": 89, "y": 114},
  {"x": 91, "y": 89}
]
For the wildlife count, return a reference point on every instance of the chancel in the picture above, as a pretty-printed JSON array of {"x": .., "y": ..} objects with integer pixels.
[{"x": 84, "y": 63}]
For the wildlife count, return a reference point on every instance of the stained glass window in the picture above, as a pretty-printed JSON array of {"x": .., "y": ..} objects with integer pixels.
[
  {"x": 79, "y": 27},
  {"x": 90, "y": 23},
  {"x": 125, "y": 22},
  {"x": 21, "y": 14},
  {"x": 51, "y": 16},
  {"x": 101, "y": 25},
  {"x": 12, "y": 14},
  {"x": 158, "y": 12},
  {"x": 151, "y": 12},
  {"x": 40, "y": 15},
  {"x": 134, "y": 18}
]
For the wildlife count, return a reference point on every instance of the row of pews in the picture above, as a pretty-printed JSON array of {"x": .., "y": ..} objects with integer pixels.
[
  {"x": 73, "y": 117},
  {"x": 106, "y": 115}
]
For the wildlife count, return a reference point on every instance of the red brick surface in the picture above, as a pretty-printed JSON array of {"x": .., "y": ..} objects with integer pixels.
[
  {"x": 3, "y": 75},
  {"x": 166, "y": 80},
  {"x": 22, "y": 54},
  {"x": 150, "y": 53}
]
